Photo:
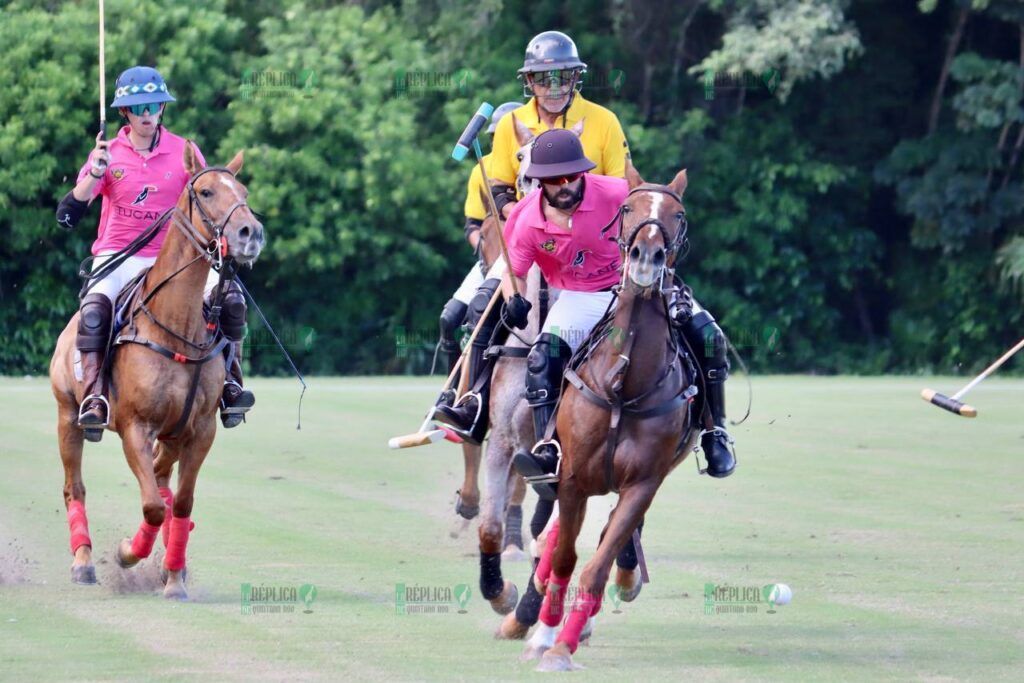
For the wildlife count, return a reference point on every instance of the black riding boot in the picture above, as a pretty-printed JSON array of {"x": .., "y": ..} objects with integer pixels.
[
  {"x": 709, "y": 344},
  {"x": 544, "y": 368},
  {"x": 235, "y": 400},
  {"x": 452, "y": 317},
  {"x": 468, "y": 418},
  {"x": 96, "y": 314}
]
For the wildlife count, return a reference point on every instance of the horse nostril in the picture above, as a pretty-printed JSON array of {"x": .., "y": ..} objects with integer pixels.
[
  {"x": 244, "y": 232},
  {"x": 634, "y": 254},
  {"x": 659, "y": 258}
]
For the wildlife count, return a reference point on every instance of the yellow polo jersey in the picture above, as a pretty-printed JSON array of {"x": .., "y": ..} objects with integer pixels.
[
  {"x": 604, "y": 143},
  {"x": 475, "y": 207}
]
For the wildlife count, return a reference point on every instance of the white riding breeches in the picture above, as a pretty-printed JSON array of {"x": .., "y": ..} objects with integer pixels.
[
  {"x": 112, "y": 284},
  {"x": 574, "y": 314}
]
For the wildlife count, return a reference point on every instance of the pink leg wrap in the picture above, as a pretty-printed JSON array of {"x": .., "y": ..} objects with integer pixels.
[
  {"x": 79, "y": 525},
  {"x": 544, "y": 566},
  {"x": 584, "y": 606},
  {"x": 177, "y": 540},
  {"x": 142, "y": 544},
  {"x": 553, "y": 608},
  {"x": 168, "y": 497}
]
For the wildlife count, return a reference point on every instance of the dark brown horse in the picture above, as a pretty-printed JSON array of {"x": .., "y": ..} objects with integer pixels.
[
  {"x": 624, "y": 421},
  {"x": 151, "y": 409}
]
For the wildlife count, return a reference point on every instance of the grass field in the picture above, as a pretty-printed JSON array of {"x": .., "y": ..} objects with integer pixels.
[{"x": 899, "y": 527}]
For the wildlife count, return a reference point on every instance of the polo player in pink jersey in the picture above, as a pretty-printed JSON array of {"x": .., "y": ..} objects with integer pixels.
[
  {"x": 559, "y": 226},
  {"x": 140, "y": 175}
]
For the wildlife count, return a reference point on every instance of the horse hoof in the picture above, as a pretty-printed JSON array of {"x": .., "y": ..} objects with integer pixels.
[
  {"x": 164, "y": 574},
  {"x": 511, "y": 629},
  {"x": 513, "y": 553},
  {"x": 533, "y": 652},
  {"x": 628, "y": 583},
  {"x": 506, "y": 601},
  {"x": 464, "y": 510},
  {"x": 124, "y": 556},
  {"x": 540, "y": 642},
  {"x": 558, "y": 658},
  {"x": 83, "y": 574},
  {"x": 174, "y": 589}
]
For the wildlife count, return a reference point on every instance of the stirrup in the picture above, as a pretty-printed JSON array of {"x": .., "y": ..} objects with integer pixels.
[
  {"x": 700, "y": 437},
  {"x": 81, "y": 411},
  {"x": 236, "y": 409},
  {"x": 466, "y": 434},
  {"x": 547, "y": 478}
]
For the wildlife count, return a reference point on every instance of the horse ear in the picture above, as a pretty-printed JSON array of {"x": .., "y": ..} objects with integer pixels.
[
  {"x": 523, "y": 133},
  {"x": 578, "y": 128},
  {"x": 190, "y": 160},
  {"x": 678, "y": 183},
  {"x": 632, "y": 175},
  {"x": 235, "y": 165}
]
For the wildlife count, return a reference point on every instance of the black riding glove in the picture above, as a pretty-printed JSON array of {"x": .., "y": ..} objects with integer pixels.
[{"x": 516, "y": 310}]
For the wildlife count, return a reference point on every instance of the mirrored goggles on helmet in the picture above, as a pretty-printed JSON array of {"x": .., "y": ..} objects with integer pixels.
[
  {"x": 561, "y": 78},
  {"x": 139, "y": 109}
]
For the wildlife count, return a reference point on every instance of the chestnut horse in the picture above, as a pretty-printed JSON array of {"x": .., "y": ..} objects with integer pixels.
[
  {"x": 163, "y": 408},
  {"x": 624, "y": 420}
]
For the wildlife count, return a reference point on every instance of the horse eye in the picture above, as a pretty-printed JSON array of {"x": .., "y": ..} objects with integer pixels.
[
  {"x": 626, "y": 209},
  {"x": 519, "y": 156},
  {"x": 206, "y": 193},
  {"x": 680, "y": 215}
]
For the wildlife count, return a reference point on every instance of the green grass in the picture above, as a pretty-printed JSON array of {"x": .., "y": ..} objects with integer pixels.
[{"x": 899, "y": 527}]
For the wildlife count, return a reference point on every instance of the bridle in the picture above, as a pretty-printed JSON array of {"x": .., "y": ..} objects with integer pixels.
[
  {"x": 216, "y": 248},
  {"x": 672, "y": 246}
]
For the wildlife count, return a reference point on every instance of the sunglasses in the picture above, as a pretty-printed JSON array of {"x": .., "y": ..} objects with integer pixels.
[
  {"x": 140, "y": 109},
  {"x": 562, "y": 179}
]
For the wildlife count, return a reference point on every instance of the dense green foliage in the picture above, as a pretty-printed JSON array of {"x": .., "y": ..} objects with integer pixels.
[{"x": 855, "y": 184}]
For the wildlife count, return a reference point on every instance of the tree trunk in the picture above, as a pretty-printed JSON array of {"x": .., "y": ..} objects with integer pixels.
[{"x": 951, "y": 48}]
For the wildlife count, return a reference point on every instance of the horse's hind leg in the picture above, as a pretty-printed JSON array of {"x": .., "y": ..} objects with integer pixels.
[
  {"x": 137, "y": 441},
  {"x": 628, "y": 578},
  {"x": 467, "y": 505},
  {"x": 513, "y": 541},
  {"x": 502, "y": 594},
  {"x": 71, "y": 440}
]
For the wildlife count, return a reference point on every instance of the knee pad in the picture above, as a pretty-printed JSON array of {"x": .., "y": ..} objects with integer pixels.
[
  {"x": 232, "y": 314},
  {"x": 478, "y": 304},
  {"x": 452, "y": 316},
  {"x": 96, "y": 314},
  {"x": 544, "y": 367}
]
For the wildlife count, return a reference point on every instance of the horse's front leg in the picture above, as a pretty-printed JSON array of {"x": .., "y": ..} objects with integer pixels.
[
  {"x": 137, "y": 442},
  {"x": 554, "y": 571},
  {"x": 163, "y": 466},
  {"x": 633, "y": 503},
  {"x": 71, "y": 440},
  {"x": 190, "y": 456},
  {"x": 467, "y": 505}
]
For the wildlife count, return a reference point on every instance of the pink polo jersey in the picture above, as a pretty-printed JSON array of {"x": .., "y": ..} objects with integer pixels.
[
  {"x": 136, "y": 190},
  {"x": 580, "y": 259}
]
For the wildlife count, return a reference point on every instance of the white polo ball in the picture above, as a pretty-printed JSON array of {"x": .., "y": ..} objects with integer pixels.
[{"x": 781, "y": 594}]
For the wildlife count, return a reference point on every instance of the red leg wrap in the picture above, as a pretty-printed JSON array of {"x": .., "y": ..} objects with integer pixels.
[
  {"x": 177, "y": 540},
  {"x": 584, "y": 606},
  {"x": 79, "y": 525},
  {"x": 145, "y": 537},
  {"x": 544, "y": 566},
  {"x": 553, "y": 609}
]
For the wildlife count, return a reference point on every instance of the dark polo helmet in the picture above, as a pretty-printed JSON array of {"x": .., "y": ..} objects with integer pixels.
[
  {"x": 557, "y": 152},
  {"x": 551, "y": 51}
]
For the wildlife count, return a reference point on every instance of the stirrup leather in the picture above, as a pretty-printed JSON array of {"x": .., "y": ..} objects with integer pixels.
[
  {"x": 547, "y": 478},
  {"x": 81, "y": 411}
]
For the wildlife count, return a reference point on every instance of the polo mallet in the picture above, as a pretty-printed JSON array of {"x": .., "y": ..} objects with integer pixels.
[
  {"x": 469, "y": 138},
  {"x": 953, "y": 403},
  {"x": 103, "y": 77},
  {"x": 425, "y": 435}
]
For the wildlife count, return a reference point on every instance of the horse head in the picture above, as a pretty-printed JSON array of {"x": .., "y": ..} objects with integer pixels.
[
  {"x": 652, "y": 229},
  {"x": 219, "y": 199}
]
